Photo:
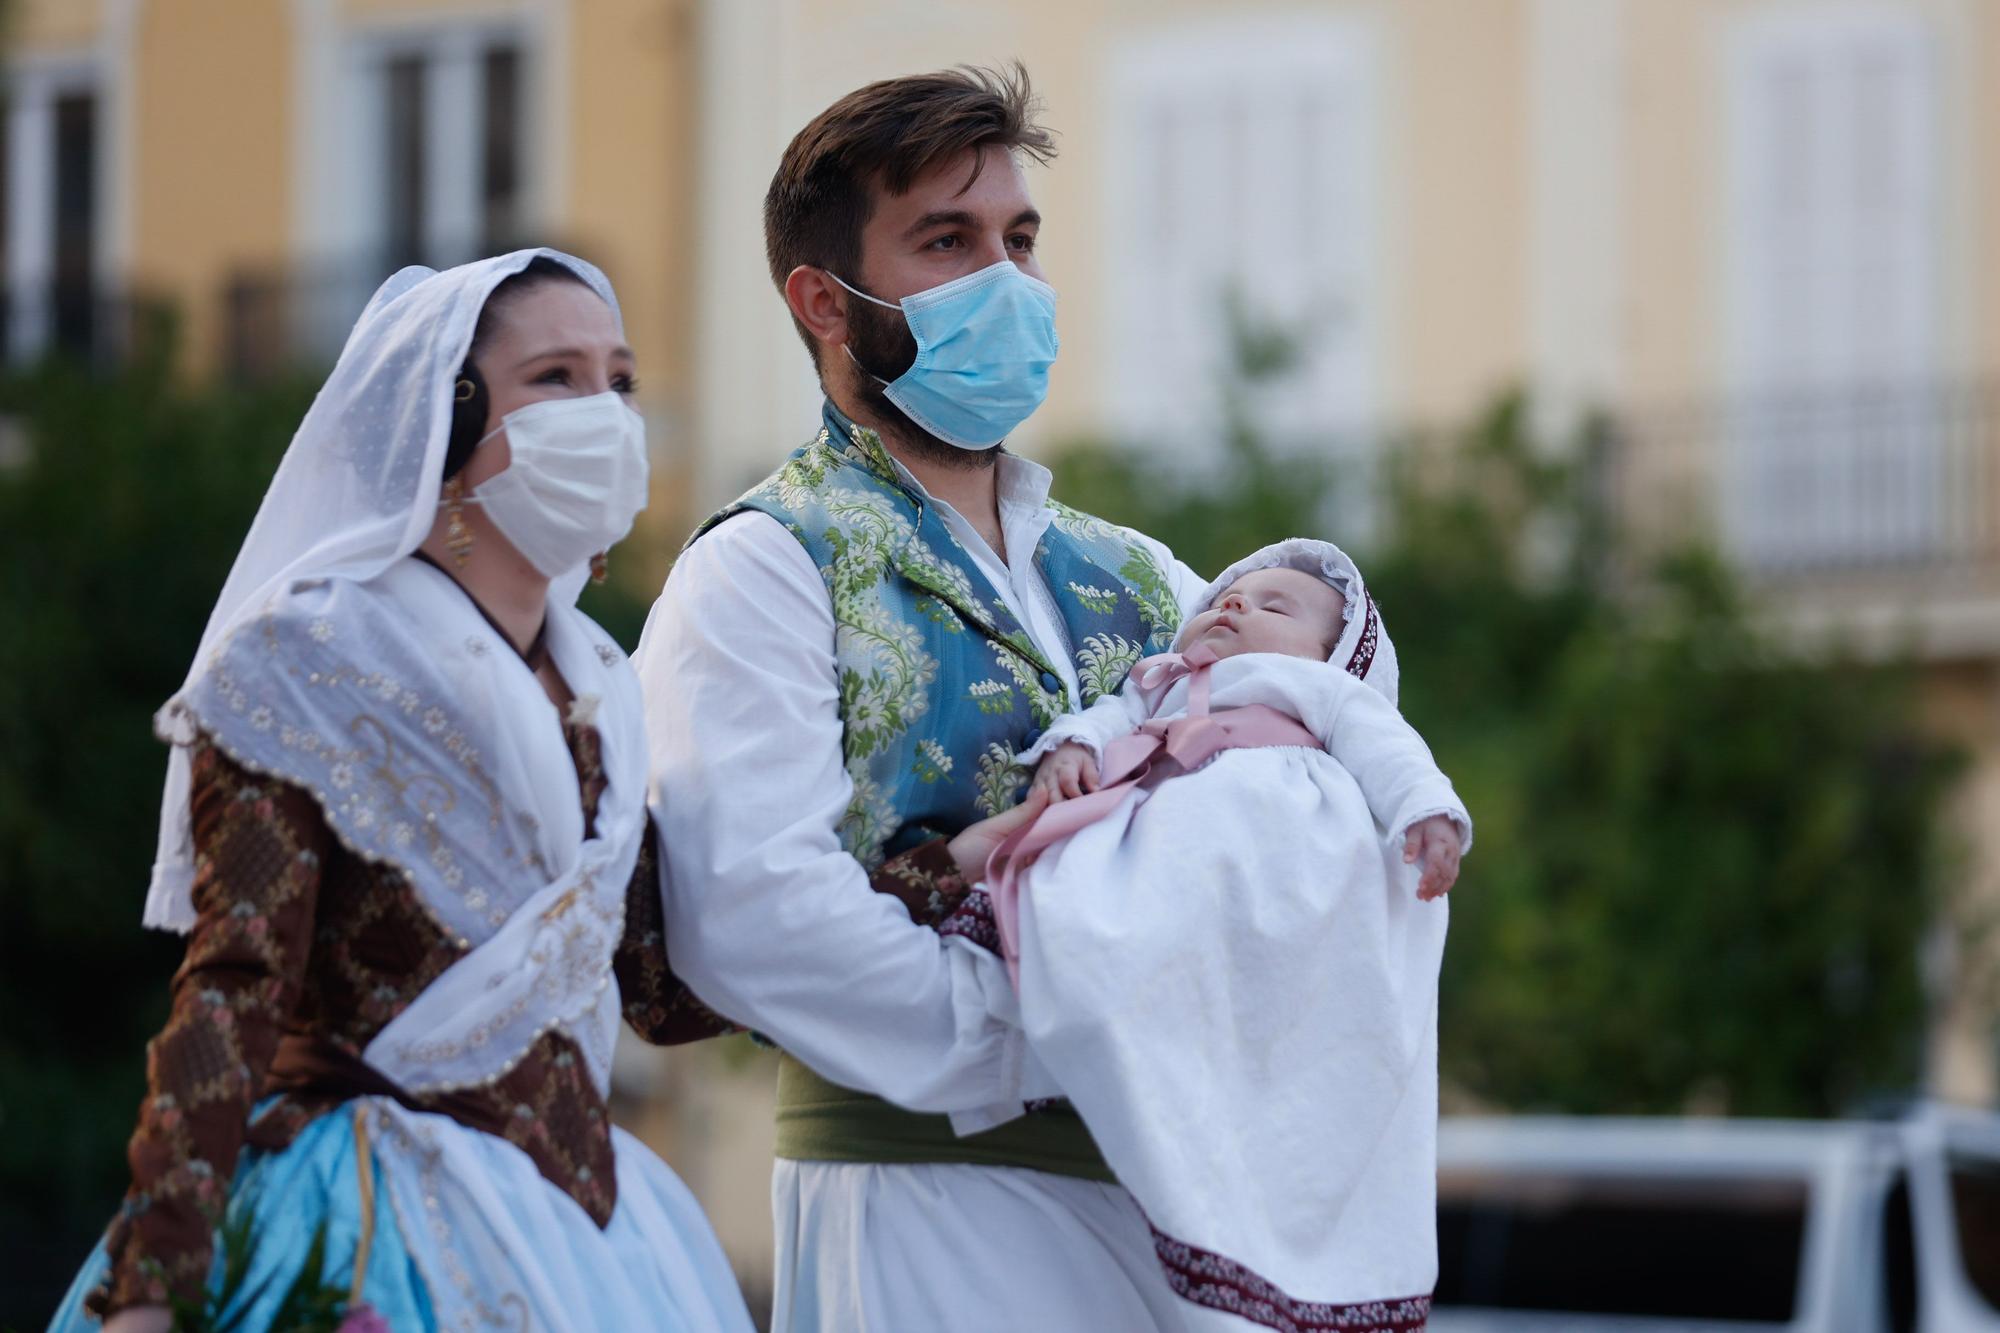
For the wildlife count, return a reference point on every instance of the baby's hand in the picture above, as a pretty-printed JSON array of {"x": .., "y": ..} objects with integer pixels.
[
  {"x": 1068, "y": 770},
  {"x": 1434, "y": 842}
]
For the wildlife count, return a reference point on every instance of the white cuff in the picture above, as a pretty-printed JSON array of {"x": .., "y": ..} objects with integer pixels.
[
  {"x": 964, "y": 1123},
  {"x": 1036, "y": 1085},
  {"x": 1452, "y": 810},
  {"x": 1059, "y": 734}
]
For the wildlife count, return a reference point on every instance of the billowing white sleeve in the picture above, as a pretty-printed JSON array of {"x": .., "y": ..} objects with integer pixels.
[
  {"x": 1400, "y": 780},
  {"x": 1366, "y": 736},
  {"x": 768, "y": 920}
]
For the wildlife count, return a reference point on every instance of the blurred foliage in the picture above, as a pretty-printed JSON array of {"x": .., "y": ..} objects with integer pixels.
[
  {"x": 123, "y": 499},
  {"x": 1704, "y": 869}
]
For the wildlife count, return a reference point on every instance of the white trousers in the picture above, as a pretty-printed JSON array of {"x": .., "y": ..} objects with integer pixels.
[{"x": 866, "y": 1248}]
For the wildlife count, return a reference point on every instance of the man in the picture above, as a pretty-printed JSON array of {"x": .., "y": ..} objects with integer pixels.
[{"x": 839, "y": 673}]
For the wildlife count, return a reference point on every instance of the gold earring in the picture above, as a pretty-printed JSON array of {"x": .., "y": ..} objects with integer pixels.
[
  {"x": 458, "y": 536},
  {"x": 600, "y": 567}
]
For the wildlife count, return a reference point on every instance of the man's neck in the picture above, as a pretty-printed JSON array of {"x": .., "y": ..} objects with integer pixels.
[{"x": 971, "y": 488}]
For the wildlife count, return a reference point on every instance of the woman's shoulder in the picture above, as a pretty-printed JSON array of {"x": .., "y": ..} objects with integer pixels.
[{"x": 317, "y": 606}]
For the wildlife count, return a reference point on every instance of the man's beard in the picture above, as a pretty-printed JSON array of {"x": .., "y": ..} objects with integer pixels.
[{"x": 882, "y": 345}]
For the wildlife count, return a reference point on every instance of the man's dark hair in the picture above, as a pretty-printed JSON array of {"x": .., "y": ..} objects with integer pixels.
[{"x": 887, "y": 134}]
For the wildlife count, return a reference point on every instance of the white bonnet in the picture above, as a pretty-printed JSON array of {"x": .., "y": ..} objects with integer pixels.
[{"x": 1364, "y": 649}]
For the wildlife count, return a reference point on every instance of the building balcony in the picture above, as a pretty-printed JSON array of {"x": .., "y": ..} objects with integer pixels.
[{"x": 1868, "y": 515}]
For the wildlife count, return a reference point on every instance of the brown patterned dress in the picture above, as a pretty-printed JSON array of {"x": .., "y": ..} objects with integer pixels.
[{"x": 301, "y": 953}]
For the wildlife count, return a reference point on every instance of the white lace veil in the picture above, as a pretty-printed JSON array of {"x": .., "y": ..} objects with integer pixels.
[{"x": 357, "y": 489}]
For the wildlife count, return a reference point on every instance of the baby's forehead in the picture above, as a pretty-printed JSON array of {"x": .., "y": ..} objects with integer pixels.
[{"x": 1308, "y": 587}]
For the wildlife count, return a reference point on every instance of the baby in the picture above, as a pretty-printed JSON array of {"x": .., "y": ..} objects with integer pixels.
[
  {"x": 1219, "y": 957},
  {"x": 1270, "y": 608}
]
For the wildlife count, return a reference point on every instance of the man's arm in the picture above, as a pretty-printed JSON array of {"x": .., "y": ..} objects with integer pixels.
[{"x": 768, "y": 920}]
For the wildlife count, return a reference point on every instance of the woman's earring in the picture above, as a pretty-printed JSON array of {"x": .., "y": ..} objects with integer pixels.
[
  {"x": 600, "y": 568},
  {"x": 458, "y": 536}
]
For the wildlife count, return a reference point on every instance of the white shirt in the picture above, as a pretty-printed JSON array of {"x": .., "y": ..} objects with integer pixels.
[{"x": 768, "y": 919}]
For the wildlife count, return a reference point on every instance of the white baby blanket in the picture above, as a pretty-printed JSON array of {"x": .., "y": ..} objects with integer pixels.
[{"x": 1231, "y": 977}]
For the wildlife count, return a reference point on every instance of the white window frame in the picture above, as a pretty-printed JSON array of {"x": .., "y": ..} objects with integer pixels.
[
  {"x": 35, "y": 80},
  {"x": 339, "y": 227},
  {"x": 1816, "y": 472},
  {"x": 1336, "y": 396}
]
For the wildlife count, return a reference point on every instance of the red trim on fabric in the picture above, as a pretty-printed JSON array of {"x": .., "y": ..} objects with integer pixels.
[
  {"x": 1205, "y": 1278},
  {"x": 972, "y": 919},
  {"x": 1364, "y": 651}
]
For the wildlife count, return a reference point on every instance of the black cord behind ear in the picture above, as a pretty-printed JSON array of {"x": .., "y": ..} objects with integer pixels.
[{"x": 469, "y": 404}]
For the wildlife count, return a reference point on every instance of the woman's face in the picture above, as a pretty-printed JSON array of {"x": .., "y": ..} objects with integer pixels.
[{"x": 554, "y": 340}]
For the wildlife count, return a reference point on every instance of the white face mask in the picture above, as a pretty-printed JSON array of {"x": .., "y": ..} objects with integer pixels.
[{"x": 576, "y": 480}]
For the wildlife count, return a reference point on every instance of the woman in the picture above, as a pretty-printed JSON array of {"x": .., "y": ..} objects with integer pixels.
[{"x": 405, "y": 830}]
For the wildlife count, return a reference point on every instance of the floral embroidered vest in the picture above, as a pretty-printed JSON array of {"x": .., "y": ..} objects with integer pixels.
[{"x": 940, "y": 685}]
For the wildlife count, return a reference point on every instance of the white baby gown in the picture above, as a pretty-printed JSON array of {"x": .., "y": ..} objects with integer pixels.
[{"x": 1232, "y": 978}]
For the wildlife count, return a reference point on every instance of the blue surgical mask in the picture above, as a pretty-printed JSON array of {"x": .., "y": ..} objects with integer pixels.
[{"x": 985, "y": 343}]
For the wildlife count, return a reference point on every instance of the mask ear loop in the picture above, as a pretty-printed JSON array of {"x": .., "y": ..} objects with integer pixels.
[{"x": 887, "y": 305}]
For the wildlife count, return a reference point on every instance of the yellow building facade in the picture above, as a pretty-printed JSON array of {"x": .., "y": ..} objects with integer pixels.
[{"x": 252, "y": 161}]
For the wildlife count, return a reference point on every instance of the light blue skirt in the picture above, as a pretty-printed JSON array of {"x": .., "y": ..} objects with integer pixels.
[
  {"x": 290, "y": 1196},
  {"x": 501, "y": 1245}
]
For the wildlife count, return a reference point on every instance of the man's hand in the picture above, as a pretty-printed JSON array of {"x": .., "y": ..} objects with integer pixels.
[
  {"x": 1068, "y": 770},
  {"x": 971, "y": 848},
  {"x": 1433, "y": 842}
]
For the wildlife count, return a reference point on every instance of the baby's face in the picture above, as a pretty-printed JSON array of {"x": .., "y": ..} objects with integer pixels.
[{"x": 1271, "y": 611}]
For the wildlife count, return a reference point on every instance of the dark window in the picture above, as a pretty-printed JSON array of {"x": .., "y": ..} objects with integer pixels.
[
  {"x": 1975, "y": 1203},
  {"x": 75, "y": 221},
  {"x": 403, "y": 155},
  {"x": 1899, "y": 1260},
  {"x": 1687, "y": 1248},
  {"x": 500, "y": 181}
]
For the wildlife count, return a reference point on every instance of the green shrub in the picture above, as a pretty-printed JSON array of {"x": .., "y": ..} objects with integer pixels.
[{"x": 1704, "y": 869}]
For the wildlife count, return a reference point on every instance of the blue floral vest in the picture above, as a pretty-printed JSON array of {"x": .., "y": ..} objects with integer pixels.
[
  {"x": 940, "y": 689},
  {"x": 940, "y": 685}
]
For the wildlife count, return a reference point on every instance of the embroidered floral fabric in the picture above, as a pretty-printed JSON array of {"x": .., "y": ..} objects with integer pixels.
[
  {"x": 296, "y": 935},
  {"x": 940, "y": 686}
]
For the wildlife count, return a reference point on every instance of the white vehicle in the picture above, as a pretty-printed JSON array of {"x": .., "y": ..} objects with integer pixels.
[{"x": 1645, "y": 1226}]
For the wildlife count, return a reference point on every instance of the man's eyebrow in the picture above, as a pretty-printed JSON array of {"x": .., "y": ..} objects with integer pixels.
[
  {"x": 943, "y": 217},
  {"x": 959, "y": 217}
]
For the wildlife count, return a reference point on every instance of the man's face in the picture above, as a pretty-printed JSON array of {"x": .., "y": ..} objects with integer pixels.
[{"x": 937, "y": 231}]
